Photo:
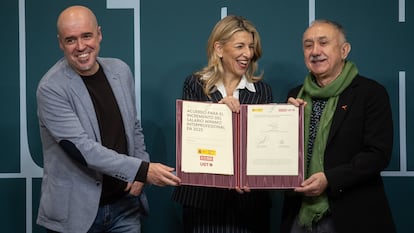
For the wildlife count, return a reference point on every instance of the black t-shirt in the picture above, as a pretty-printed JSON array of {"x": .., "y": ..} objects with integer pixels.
[{"x": 111, "y": 129}]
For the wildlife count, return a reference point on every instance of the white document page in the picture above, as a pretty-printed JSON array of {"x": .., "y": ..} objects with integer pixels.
[
  {"x": 272, "y": 139},
  {"x": 207, "y": 141}
]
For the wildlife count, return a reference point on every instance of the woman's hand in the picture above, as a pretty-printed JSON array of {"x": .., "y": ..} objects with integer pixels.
[
  {"x": 232, "y": 103},
  {"x": 243, "y": 190}
]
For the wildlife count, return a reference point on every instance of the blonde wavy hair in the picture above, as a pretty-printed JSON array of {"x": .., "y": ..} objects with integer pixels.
[{"x": 222, "y": 32}]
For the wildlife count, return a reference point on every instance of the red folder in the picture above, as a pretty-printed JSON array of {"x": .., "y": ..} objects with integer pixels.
[{"x": 240, "y": 177}]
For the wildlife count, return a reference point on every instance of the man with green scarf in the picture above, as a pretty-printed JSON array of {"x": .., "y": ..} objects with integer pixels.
[{"x": 348, "y": 142}]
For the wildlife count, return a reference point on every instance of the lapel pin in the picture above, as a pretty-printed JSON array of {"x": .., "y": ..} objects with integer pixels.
[{"x": 344, "y": 107}]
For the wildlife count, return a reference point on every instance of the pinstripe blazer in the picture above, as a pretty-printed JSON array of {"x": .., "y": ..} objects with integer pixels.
[
  {"x": 74, "y": 159},
  {"x": 216, "y": 198}
]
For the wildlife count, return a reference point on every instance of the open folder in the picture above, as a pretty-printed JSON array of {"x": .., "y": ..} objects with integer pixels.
[{"x": 261, "y": 147}]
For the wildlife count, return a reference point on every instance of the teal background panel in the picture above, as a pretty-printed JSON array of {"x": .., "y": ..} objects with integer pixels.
[
  {"x": 9, "y": 111},
  {"x": 12, "y": 202}
]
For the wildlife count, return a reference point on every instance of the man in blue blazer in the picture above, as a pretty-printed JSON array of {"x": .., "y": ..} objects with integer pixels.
[
  {"x": 95, "y": 162},
  {"x": 348, "y": 142}
]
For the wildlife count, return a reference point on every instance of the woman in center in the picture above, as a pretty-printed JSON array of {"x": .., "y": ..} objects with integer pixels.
[{"x": 230, "y": 78}]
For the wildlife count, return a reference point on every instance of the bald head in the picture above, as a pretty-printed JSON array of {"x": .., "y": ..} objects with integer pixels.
[
  {"x": 72, "y": 16},
  {"x": 79, "y": 38}
]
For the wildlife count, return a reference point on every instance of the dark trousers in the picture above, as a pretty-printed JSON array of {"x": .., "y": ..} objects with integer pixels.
[{"x": 325, "y": 225}]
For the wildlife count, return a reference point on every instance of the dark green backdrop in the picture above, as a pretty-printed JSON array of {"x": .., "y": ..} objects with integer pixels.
[{"x": 173, "y": 36}]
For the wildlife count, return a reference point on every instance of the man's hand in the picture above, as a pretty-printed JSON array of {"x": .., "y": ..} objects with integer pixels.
[
  {"x": 314, "y": 185},
  {"x": 297, "y": 102},
  {"x": 134, "y": 188},
  {"x": 161, "y": 175}
]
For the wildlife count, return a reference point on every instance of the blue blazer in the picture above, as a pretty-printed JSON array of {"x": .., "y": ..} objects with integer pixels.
[
  {"x": 218, "y": 198},
  {"x": 74, "y": 159}
]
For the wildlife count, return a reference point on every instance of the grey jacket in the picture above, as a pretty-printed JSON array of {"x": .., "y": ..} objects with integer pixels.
[{"x": 74, "y": 159}]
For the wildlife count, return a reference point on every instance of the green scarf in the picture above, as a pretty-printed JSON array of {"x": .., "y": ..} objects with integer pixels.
[{"x": 314, "y": 208}]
